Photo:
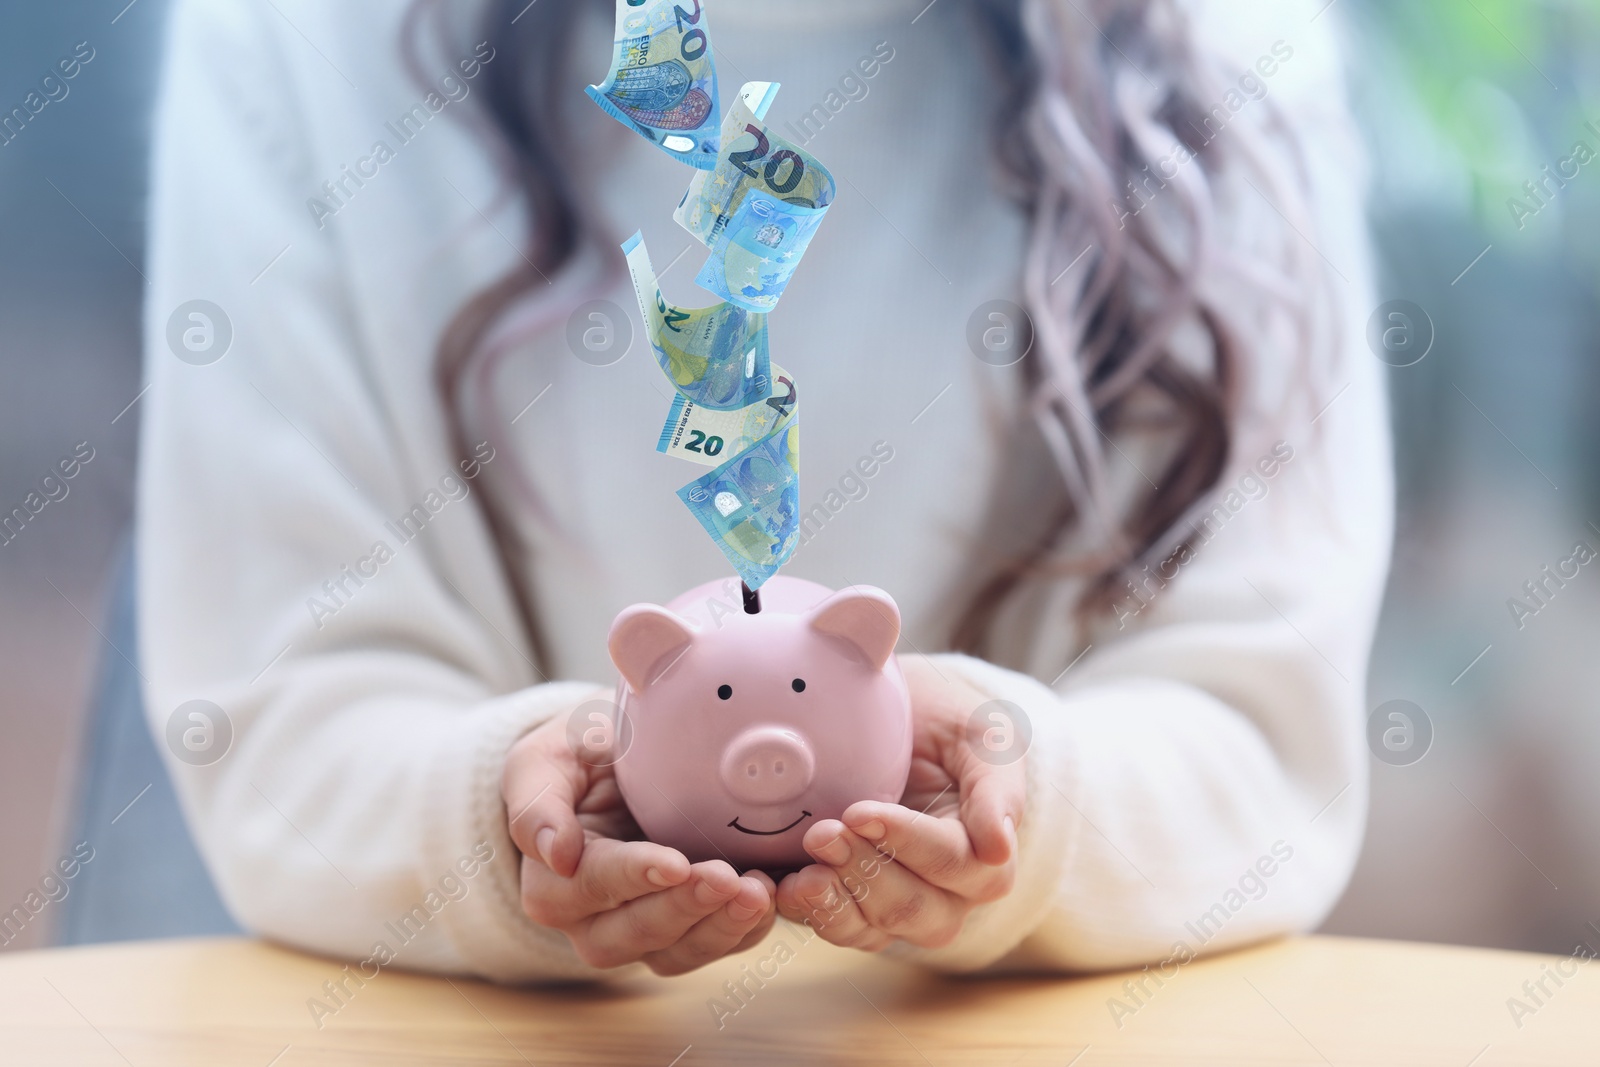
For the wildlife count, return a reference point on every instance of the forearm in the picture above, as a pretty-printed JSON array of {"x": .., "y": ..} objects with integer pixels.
[{"x": 358, "y": 814}]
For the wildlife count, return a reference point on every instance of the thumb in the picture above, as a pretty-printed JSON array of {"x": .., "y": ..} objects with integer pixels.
[
  {"x": 993, "y": 796},
  {"x": 541, "y": 785}
]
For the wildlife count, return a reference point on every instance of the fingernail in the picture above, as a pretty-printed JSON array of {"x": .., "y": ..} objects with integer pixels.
[
  {"x": 739, "y": 913},
  {"x": 543, "y": 841},
  {"x": 706, "y": 893},
  {"x": 655, "y": 877},
  {"x": 834, "y": 852},
  {"x": 1011, "y": 832},
  {"x": 872, "y": 831}
]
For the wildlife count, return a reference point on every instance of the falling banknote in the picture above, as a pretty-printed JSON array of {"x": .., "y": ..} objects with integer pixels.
[
  {"x": 702, "y": 435},
  {"x": 663, "y": 81},
  {"x": 751, "y": 504},
  {"x": 715, "y": 356},
  {"x": 757, "y": 208}
]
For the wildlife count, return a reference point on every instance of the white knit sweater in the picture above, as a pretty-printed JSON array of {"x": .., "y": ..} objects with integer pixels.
[{"x": 1197, "y": 777}]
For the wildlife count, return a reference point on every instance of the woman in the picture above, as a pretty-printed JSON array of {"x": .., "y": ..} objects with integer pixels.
[{"x": 382, "y": 517}]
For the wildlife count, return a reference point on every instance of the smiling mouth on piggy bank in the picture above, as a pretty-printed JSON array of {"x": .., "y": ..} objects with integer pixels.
[{"x": 804, "y": 815}]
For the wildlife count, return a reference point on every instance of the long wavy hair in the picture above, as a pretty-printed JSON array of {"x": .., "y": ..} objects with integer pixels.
[{"x": 1097, "y": 96}]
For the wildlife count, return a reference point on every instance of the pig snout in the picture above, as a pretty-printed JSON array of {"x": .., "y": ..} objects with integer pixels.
[{"x": 768, "y": 765}]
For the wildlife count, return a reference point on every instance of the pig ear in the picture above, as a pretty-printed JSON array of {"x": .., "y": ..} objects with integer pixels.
[
  {"x": 644, "y": 641},
  {"x": 865, "y": 617}
]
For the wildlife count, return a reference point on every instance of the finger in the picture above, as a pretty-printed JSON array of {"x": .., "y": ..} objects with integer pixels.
[
  {"x": 990, "y": 793},
  {"x": 744, "y": 919},
  {"x": 610, "y": 873},
  {"x": 812, "y": 895},
  {"x": 937, "y": 850},
  {"x": 656, "y": 920},
  {"x": 890, "y": 897},
  {"x": 764, "y": 926},
  {"x": 992, "y": 801},
  {"x": 541, "y": 785}
]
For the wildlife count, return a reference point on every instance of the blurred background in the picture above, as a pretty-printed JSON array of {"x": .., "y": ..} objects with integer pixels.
[{"x": 1483, "y": 117}]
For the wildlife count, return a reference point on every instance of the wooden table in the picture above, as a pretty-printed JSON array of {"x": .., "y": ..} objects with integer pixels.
[{"x": 1311, "y": 1000}]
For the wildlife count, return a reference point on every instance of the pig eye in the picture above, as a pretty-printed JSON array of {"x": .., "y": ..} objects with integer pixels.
[
  {"x": 724, "y": 691},
  {"x": 798, "y": 685}
]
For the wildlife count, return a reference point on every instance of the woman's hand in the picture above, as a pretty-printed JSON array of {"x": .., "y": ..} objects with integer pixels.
[
  {"x": 617, "y": 898},
  {"x": 914, "y": 870}
]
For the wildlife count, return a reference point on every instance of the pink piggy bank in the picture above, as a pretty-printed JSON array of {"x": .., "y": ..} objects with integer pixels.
[{"x": 748, "y": 728}]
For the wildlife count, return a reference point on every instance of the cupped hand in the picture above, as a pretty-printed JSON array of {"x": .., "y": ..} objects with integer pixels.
[
  {"x": 913, "y": 871},
  {"x": 587, "y": 872}
]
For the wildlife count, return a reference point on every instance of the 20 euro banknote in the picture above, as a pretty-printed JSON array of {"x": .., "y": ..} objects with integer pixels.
[
  {"x": 702, "y": 435},
  {"x": 758, "y": 208},
  {"x": 750, "y": 505},
  {"x": 663, "y": 79},
  {"x": 715, "y": 356}
]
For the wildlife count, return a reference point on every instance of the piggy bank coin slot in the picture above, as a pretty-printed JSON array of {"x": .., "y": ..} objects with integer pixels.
[{"x": 752, "y": 599}]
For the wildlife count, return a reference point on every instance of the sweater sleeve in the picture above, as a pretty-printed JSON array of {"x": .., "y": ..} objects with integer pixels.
[
  {"x": 1197, "y": 780},
  {"x": 331, "y": 658}
]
